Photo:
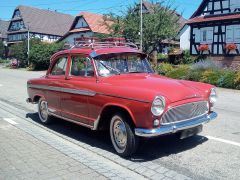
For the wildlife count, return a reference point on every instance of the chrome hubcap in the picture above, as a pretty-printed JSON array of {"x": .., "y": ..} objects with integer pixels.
[
  {"x": 43, "y": 110},
  {"x": 120, "y": 133}
]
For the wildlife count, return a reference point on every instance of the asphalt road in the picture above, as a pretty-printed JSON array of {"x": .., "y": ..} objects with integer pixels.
[{"x": 213, "y": 154}]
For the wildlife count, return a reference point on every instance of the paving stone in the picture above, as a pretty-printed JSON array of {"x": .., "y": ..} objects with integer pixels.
[
  {"x": 157, "y": 177},
  {"x": 25, "y": 160},
  {"x": 161, "y": 170}
]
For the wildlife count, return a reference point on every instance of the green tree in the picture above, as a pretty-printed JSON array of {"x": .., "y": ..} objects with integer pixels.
[
  {"x": 160, "y": 24},
  {"x": 40, "y": 54},
  {"x": 19, "y": 51},
  {"x": 2, "y": 49}
]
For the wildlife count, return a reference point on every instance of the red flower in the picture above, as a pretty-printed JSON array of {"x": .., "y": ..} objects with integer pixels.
[
  {"x": 231, "y": 46},
  {"x": 203, "y": 47}
]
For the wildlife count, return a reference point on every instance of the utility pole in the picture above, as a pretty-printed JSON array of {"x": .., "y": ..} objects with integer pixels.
[
  {"x": 141, "y": 25},
  {"x": 28, "y": 45}
]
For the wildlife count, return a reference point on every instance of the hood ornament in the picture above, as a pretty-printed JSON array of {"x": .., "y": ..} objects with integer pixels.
[{"x": 192, "y": 96}]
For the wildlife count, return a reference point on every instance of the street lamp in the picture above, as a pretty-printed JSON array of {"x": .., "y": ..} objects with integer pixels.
[
  {"x": 28, "y": 44},
  {"x": 141, "y": 25}
]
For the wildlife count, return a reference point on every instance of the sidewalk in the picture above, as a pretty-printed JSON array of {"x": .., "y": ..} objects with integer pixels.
[{"x": 25, "y": 157}]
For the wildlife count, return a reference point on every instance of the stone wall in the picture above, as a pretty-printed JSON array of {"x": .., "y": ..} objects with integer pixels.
[{"x": 232, "y": 62}]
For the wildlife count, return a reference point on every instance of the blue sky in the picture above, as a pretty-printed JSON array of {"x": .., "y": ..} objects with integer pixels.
[{"x": 74, "y": 7}]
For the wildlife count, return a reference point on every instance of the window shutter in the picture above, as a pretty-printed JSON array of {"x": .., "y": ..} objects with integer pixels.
[
  {"x": 197, "y": 35},
  {"x": 229, "y": 34},
  {"x": 210, "y": 35},
  {"x": 237, "y": 33}
]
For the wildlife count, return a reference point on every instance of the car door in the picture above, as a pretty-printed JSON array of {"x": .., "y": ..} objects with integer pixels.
[
  {"x": 78, "y": 87},
  {"x": 54, "y": 80}
]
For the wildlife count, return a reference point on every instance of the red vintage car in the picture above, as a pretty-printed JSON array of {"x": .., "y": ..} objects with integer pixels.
[{"x": 113, "y": 86}]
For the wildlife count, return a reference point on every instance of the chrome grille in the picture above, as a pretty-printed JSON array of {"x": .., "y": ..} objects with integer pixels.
[{"x": 185, "y": 112}]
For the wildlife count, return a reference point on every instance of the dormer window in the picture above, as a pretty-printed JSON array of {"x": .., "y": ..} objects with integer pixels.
[
  {"x": 16, "y": 25},
  {"x": 16, "y": 14},
  {"x": 81, "y": 23}
]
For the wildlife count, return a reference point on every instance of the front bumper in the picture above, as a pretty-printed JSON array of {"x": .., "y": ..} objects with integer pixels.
[{"x": 173, "y": 128}]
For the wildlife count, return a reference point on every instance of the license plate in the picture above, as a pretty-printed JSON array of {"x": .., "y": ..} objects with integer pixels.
[{"x": 190, "y": 132}]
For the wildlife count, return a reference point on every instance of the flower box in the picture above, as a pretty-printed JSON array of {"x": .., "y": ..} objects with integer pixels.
[
  {"x": 230, "y": 46},
  {"x": 203, "y": 47}
]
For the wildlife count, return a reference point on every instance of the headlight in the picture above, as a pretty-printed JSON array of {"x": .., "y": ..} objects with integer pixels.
[
  {"x": 158, "y": 105},
  {"x": 213, "y": 96}
]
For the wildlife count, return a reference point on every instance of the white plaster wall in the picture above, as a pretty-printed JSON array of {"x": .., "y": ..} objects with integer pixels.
[
  {"x": 70, "y": 38},
  {"x": 81, "y": 23},
  {"x": 185, "y": 38}
]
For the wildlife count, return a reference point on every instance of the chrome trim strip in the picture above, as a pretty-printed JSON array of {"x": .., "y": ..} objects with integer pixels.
[
  {"x": 173, "y": 128},
  {"x": 65, "y": 90},
  {"x": 81, "y": 92},
  {"x": 123, "y": 97},
  {"x": 71, "y": 120}
]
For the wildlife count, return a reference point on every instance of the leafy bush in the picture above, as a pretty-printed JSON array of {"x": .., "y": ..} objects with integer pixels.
[
  {"x": 187, "y": 58},
  {"x": 164, "y": 68},
  {"x": 211, "y": 76},
  {"x": 162, "y": 57},
  {"x": 237, "y": 80},
  {"x": 205, "y": 64},
  {"x": 3, "y": 61},
  {"x": 180, "y": 72},
  {"x": 19, "y": 51},
  {"x": 206, "y": 72},
  {"x": 195, "y": 75},
  {"x": 40, "y": 54},
  {"x": 227, "y": 80},
  {"x": 2, "y": 49}
]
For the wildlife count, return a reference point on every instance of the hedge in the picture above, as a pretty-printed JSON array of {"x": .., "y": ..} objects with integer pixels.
[{"x": 206, "y": 72}]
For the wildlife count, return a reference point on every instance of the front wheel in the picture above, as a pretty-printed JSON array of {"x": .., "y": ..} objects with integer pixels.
[
  {"x": 122, "y": 136},
  {"x": 43, "y": 111}
]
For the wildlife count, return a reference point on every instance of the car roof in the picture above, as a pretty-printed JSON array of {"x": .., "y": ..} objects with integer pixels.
[{"x": 96, "y": 52}]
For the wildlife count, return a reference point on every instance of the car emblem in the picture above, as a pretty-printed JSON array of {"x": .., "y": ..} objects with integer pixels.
[{"x": 192, "y": 96}]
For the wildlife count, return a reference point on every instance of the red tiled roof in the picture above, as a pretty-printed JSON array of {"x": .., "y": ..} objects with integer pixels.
[
  {"x": 96, "y": 22},
  {"x": 213, "y": 18}
]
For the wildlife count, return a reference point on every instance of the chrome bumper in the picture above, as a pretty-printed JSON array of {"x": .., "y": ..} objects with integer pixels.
[{"x": 173, "y": 128}]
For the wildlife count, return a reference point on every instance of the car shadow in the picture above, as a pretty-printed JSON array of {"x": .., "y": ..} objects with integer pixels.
[{"x": 149, "y": 149}]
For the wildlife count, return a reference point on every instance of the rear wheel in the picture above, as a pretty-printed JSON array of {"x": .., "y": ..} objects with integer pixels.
[
  {"x": 43, "y": 111},
  {"x": 122, "y": 135}
]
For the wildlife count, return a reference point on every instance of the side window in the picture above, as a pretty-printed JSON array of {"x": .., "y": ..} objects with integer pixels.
[
  {"x": 81, "y": 66},
  {"x": 60, "y": 66}
]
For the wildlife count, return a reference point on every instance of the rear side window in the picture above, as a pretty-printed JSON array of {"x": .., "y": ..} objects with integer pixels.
[
  {"x": 81, "y": 66},
  {"x": 60, "y": 66}
]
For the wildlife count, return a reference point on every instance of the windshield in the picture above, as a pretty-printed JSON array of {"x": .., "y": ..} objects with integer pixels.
[{"x": 112, "y": 64}]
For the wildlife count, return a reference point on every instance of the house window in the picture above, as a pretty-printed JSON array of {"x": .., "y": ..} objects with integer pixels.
[
  {"x": 16, "y": 25},
  {"x": 204, "y": 36},
  {"x": 233, "y": 34},
  {"x": 234, "y": 5},
  {"x": 16, "y": 14}
]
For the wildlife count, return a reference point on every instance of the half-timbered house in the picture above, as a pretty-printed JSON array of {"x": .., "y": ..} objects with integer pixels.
[
  {"x": 215, "y": 30},
  {"x": 46, "y": 25},
  {"x": 86, "y": 25}
]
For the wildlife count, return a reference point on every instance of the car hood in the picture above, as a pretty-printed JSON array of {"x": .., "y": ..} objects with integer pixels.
[{"x": 147, "y": 86}]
